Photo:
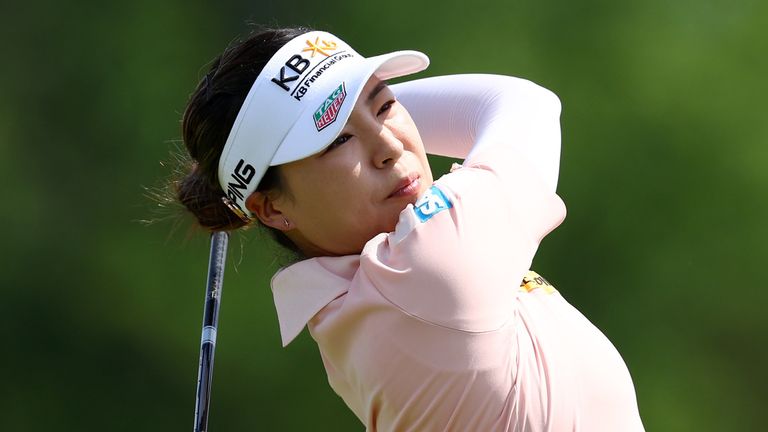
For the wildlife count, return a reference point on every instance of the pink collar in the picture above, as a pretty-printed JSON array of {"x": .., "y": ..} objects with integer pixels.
[{"x": 303, "y": 289}]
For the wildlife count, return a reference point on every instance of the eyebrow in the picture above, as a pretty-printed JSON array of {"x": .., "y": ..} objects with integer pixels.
[{"x": 376, "y": 90}]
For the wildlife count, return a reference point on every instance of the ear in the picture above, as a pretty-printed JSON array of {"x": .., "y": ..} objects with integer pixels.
[{"x": 263, "y": 207}]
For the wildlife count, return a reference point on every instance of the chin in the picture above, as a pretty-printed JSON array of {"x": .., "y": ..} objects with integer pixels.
[{"x": 390, "y": 227}]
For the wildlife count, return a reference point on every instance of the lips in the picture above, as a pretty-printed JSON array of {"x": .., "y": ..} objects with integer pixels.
[{"x": 408, "y": 186}]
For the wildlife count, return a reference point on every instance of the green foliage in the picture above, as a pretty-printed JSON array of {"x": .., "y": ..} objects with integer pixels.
[{"x": 663, "y": 172}]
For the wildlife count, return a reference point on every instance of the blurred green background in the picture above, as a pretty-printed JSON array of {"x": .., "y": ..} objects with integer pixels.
[{"x": 664, "y": 172}]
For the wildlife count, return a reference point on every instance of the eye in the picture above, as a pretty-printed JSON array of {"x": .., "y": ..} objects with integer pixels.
[
  {"x": 384, "y": 108},
  {"x": 337, "y": 142}
]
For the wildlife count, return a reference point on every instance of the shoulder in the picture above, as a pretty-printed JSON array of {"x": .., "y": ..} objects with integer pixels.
[{"x": 443, "y": 264}]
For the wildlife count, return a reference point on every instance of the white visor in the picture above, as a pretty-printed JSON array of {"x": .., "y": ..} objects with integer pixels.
[{"x": 298, "y": 106}]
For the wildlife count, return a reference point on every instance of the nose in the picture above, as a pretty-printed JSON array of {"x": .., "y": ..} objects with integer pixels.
[{"x": 387, "y": 148}]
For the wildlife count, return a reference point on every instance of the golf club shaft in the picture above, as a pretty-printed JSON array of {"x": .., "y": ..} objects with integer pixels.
[{"x": 213, "y": 291}]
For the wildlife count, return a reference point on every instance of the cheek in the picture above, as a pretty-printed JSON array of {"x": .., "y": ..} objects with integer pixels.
[
  {"x": 406, "y": 131},
  {"x": 408, "y": 134},
  {"x": 331, "y": 192}
]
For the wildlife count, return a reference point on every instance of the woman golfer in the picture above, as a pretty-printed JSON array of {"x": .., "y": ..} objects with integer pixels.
[{"x": 418, "y": 292}]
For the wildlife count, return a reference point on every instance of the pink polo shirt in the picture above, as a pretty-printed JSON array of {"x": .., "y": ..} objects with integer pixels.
[{"x": 429, "y": 330}]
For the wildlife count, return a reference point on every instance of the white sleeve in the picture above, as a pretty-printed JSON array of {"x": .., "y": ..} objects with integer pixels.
[{"x": 461, "y": 115}]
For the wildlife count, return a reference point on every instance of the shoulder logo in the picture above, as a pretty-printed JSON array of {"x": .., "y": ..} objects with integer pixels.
[
  {"x": 328, "y": 111},
  {"x": 433, "y": 202},
  {"x": 319, "y": 46}
]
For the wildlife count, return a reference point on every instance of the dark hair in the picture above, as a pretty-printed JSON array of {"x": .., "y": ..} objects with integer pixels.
[{"x": 208, "y": 118}]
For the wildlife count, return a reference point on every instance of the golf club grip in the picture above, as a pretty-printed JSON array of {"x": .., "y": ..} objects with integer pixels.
[{"x": 213, "y": 290}]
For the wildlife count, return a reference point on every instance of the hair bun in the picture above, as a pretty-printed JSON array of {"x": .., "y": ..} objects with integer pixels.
[{"x": 203, "y": 200}]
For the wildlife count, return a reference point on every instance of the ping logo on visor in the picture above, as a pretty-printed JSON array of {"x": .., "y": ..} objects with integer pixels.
[
  {"x": 433, "y": 202},
  {"x": 328, "y": 111}
]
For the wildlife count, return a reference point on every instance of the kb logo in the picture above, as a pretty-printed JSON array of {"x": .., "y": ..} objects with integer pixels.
[{"x": 296, "y": 64}]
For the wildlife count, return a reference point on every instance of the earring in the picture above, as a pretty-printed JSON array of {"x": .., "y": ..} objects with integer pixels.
[{"x": 286, "y": 223}]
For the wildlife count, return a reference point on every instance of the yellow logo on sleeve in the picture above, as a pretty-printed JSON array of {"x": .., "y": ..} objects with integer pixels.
[{"x": 533, "y": 280}]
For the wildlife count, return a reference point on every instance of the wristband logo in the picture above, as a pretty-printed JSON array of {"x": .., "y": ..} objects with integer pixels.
[{"x": 328, "y": 111}]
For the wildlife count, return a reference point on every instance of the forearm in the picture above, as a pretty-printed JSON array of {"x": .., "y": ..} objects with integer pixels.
[{"x": 460, "y": 115}]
